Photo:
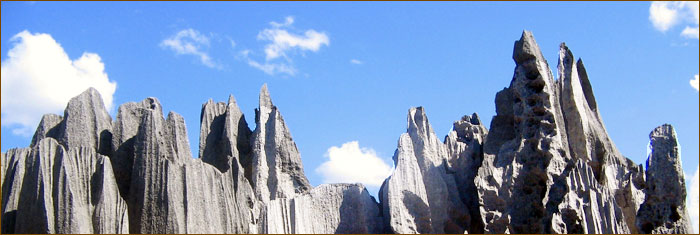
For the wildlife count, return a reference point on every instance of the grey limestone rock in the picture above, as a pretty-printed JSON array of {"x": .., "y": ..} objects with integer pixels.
[
  {"x": 465, "y": 148},
  {"x": 545, "y": 165},
  {"x": 421, "y": 196},
  {"x": 47, "y": 127},
  {"x": 328, "y": 208},
  {"x": 276, "y": 167},
  {"x": 64, "y": 191},
  {"x": 225, "y": 135},
  {"x": 13, "y": 167},
  {"x": 618, "y": 177},
  {"x": 170, "y": 192},
  {"x": 86, "y": 123},
  {"x": 126, "y": 126},
  {"x": 519, "y": 181},
  {"x": 664, "y": 209}
]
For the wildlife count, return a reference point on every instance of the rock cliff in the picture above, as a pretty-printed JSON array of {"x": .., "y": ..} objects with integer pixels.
[{"x": 546, "y": 164}]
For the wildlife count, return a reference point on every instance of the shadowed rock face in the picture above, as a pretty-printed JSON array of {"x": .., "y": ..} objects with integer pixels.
[
  {"x": 432, "y": 204},
  {"x": 277, "y": 171},
  {"x": 545, "y": 165}
]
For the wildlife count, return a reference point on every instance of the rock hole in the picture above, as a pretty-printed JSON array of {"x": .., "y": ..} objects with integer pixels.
[
  {"x": 674, "y": 213},
  {"x": 536, "y": 85},
  {"x": 647, "y": 227}
]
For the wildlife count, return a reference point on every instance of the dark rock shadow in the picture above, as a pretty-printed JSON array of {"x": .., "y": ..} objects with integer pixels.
[{"x": 422, "y": 217}]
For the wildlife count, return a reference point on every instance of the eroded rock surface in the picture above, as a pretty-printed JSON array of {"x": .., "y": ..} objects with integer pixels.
[
  {"x": 545, "y": 165},
  {"x": 277, "y": 171},
  {"x": 421, "y": 196},
  {"x": 62, "y": 184},
  {"x": 664, "y": 210},
  {"x": 328, "y": 208}
]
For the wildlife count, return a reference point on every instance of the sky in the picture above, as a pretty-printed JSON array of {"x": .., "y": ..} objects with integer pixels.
[{"x": 344, "y": 74}]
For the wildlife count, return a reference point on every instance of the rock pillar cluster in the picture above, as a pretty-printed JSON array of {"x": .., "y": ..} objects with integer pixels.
[{"x": 546, "y": 164}]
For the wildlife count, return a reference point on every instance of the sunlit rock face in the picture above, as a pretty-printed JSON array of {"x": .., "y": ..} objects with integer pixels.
[{"x": 546, "y": 164}]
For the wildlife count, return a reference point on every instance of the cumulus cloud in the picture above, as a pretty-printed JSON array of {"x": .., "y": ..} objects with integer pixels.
[
  {"x": 190, "y": 42},
  {"x": 665, "y": 15},
  {"x": 694, "y": 82},
  {"x": 282, "y": 44},
  {"x": 38, "y": 77},
  {"x": 351, "y": 164},
  {"x": 690, "y": 32},
  {"x": 692, "y": 201},
  {"x": 355, "y": 61}
]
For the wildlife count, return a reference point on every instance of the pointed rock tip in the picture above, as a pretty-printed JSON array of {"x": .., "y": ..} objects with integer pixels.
[
  {"x": 415, "y": 111},
  {"x": 151, "y": 103},
  {"x": 566, "y": 57},
  {"x": 665, "y": 130},
  {"x": 173, "y": 114},
  {"x": 475, "y": 120},
  {"x": 526, "y": 48},
  {"x": 417, "y": 116},
  {"x": 231, "y": 99},
  {"x": 265, "y": 100},
  {"x": 90, "y": 93}
]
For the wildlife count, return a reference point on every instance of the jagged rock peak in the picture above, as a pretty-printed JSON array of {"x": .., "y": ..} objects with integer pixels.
[
  {"x": 664, "y": 208},
  {"x": 224, "y": 134},
  {"x": 85, "y": 123},
  {"x": 126, "y": 127},
  {"x": 469, "y": 127},
  {"x": 420, "y": 196},
  {"x": 211, "y": 126},
  {"x": 526, "y": 48},
  {"x": 47, "y": 127},
  {"x": 276, "y": 167},
  {"x": 418, "y": 122},
  {"x": 265, "y": 100},
  {"x": 546, "y": 165}
]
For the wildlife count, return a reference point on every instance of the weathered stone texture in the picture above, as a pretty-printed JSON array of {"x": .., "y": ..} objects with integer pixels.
[{"x": 545, "y": 165}]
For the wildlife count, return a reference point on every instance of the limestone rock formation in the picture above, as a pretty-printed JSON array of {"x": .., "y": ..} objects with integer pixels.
[
  {"x": 545, "y": 165},
  {"x": 465, "y": 148},
  {"x": 663, "y": 210},
  {"x": 276, "y": 167},
  {"x": 421, "y": 196},
  {"x": 328, "y": 208},
  {"x": 62, "y": 184},
  {"x": 518, "y": 182},
  {"x": 170, "y": 192}
]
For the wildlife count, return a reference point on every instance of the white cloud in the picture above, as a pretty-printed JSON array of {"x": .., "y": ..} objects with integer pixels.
[
  {"x": 355, "y": 61},
  {"x": 282, "y": 41},
  {"x": 38, "y": 77},
  {"x": 283, "y": 44},
  {"x": 662, "y": 15},
  {"x": 288, "y": 21},
  {"x": 692, "y": 201},
  {"x": 694, "y": 82},
  {"x": 190, "y": 42},
  {"x": 690, "y": 32},
  {"x": 665, "y": 15},
  {"x": 351, "y": 164}
]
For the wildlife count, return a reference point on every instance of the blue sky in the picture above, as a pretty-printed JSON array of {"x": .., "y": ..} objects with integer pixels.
[{"x": 342, "y": 72}]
